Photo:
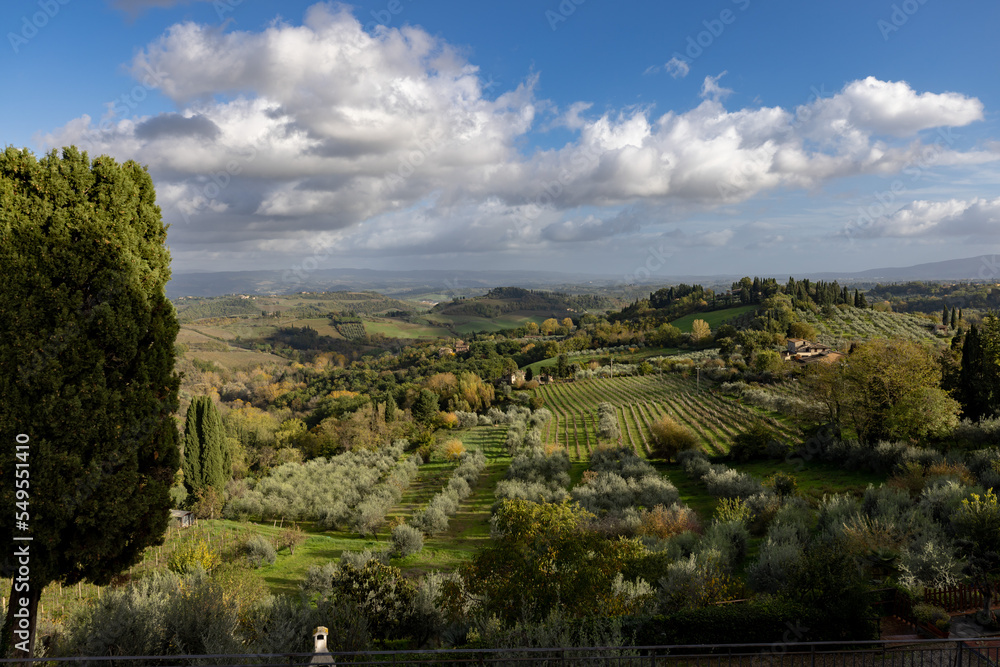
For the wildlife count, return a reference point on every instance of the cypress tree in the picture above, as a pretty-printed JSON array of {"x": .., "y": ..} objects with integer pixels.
[
  {"x": 944, "y": 316},
  {"x": 191, "y": 466},
  {"x": 206, "y": 453},
  {"x": 954, "y": 318},
  {"x": 971, "y": 380},
  {"x": 87, "y": 376}
]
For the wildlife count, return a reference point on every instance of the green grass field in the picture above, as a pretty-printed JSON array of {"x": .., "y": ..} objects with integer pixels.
[
  {"x": 714, "y": 318},
  {"x": 398, "y": 329}
]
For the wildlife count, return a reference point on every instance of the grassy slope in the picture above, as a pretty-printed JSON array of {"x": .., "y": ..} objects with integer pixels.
[{"x": 714, "y": 318}]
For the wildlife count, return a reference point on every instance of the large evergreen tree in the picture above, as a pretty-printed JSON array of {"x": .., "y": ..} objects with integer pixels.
[
  {"x": 207, "y": 460},
  {"x": 86, "y": 369},
  {"x": 979, "y": 377}
]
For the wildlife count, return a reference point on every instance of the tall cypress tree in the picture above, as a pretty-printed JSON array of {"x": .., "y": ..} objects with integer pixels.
[
  {"x": 86, "y": 369},
  {"x": 944, "y": 316},
  {"x": 971, "y": 378},
  {"x": 954, "y": 318},
  {"x": 206, "y": 459}
]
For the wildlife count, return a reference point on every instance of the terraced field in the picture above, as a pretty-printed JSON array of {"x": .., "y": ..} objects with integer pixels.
[{"x": 640, "y": 401}]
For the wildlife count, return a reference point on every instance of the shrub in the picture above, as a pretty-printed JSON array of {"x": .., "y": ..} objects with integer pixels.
[
  {"x": 258, "y": 551},
  {"x": 670, "y": 438},
  {"x": 453, "y": 449},
  {"x": 751, "y": 445},
  {"x": 732, "y": 509},
  {"x": 696, "y": 581},
  {"x": 663, "y": 522},
  {"x": 936, "y": 616},
  {"x": 930, "y": 565},
  {"x": 695, "y": 463},
  {"x": 467, "y": 419},
  {"x": 191, "y": 555},
  {"x": 729, "y": 483},
  {"x": 406, "y": 540},
  {"x": 730, "y": 539},
  {"x": 358, "y": 559},
  {"x": 776, "y": 559},
  {"x": 460, "y": 487},
  {"x": 781, "y": 483},
  {"x": 291, "y": 538},
  {"x": 431, "y": 520}
]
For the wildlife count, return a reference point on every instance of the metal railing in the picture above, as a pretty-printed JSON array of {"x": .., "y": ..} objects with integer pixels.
[{"x": 916, "y": 653}]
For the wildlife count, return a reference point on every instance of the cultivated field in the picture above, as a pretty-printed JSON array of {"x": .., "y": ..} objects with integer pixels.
[
  {"x": 713, "y": 318},
  {"x": 640, "y": 401}
]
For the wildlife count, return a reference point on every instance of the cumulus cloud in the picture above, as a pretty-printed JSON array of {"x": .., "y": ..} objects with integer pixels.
[
  {"x": 384, "y": 141},
  {"x": 977, "y": 218}
]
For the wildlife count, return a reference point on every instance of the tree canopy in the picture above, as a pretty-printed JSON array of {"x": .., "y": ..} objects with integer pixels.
[{"x": 86, "y": 363}]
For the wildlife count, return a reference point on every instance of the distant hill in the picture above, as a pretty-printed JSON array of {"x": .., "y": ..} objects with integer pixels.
[
  {"x": 397, "y": 283},
  {"x": 502, "y": 300},
  {"x": 318, "y": 304},
  {"x": 983, "y": 268},
  {"x": 451, "y": 284}
]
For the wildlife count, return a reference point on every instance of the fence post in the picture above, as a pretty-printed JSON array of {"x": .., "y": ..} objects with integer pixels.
[{"x": 958, "y": 660}]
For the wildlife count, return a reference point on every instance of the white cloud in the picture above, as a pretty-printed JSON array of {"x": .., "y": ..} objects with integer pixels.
[
  {"x": 891, "y": 108},
  {"x": 677, "y": 68},
  {"x": 387, "y": 142},
  {"x": 711, "y": 90},
  {"x": 977, "y": 218}
]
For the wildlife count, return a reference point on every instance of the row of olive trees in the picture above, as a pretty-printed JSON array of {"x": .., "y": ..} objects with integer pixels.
[
  {"x": 433, "y": 519},
  {"x": 322, "y": 490},
  {"x": 720, "y": 480},
  {"x": 536, "y": 475},
  {"x": 607, "y": 423},
  {"x": 619, "y": 480},
  {"x": 370, "y": 513}
]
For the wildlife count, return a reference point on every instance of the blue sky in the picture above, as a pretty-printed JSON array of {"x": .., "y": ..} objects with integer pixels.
[{"x": 634, "y": 139}]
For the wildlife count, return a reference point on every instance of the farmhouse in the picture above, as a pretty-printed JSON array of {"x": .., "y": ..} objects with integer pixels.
[
  {"x": 513, "y": 378},
  {"x": 803, "y": 351}
]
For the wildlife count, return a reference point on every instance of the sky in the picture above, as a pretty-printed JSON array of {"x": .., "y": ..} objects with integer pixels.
[{"x": 637, "y": 139}]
